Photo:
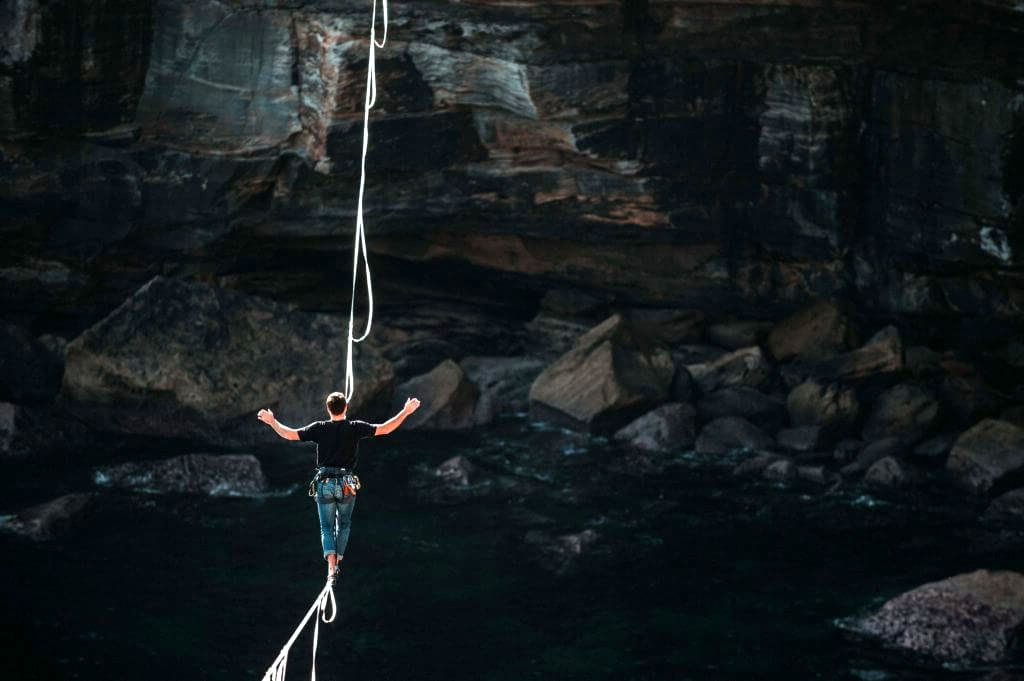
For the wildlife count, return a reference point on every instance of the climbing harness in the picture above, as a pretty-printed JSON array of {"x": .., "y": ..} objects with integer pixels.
[
  {"x": 359, "y": 245},
  {"x": 277, "y": 670},
  {"x": 350, "y": 483}
]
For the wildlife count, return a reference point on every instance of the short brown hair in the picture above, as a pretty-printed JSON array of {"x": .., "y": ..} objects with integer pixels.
[{"x": 336, "y": 404}]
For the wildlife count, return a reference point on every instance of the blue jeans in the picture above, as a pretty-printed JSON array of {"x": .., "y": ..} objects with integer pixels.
[{"x": 335, "y": 511}]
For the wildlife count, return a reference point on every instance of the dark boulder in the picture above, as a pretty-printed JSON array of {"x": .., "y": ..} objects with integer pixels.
[
  {"x": 52, "y": 518},
  {"x": 730, "y": 433},
  {"x": 831, "y": 406},
  {"x": 448, "y": 398},
  {"x": 800, "y": 439},
  {"x": 743, "y": 367},
  {"x": 936, "y": 448},
  {"x": 668, "y": 326},
  {"x": 762, "y": 410},
  {"x": 970, "y": 619},
  {"x": 815, "y": 332},
  {"x": 561, "y": 555},
  {"x": 756, "y": 464},
  {"x": 1007, "y": 508},
  {"x": 882, "y": 355},
  {"x": 738, "y": 334},
  {"x": 986, "y": 456},
  {"x": 213, "y": 474},
  {"x": 782, "y": 470},
  {"x": 872, "y": 452},
  {"x": 886, "y": 472},
  {"x": 457, "y": 471},
  {"x": 194, "y": 361},
  {"x": 670, "y": 427},
  {"x": 609, "y": 377},
  {"x": 906, "y": 411},
  {"x": 36, "y": 431},
  {"x": 503, "y": 382}
]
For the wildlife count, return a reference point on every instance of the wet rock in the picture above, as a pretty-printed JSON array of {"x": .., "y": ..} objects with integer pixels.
[
  {"x": 561, "y": 554},
  {"x": 503, "y": 382},
  {"x": 935, "y": 448},
  {"x": 801, "y": 439},
  {"x": 730, "y": 433},
  {"x": 831, "y": 406},
  {"x": 817, "y": 331},
  {"x": 448, "y": 398},
  {"x": 670, "y": 427},
  {"x": 921, "y": 360},
  {"x": 213, "y": 474},
  {"x": 683, "y": 388},
  {"x": 874, "y": 451},
  {"x": 986, "y": 456},
  {"x": 668, "y": 326},
  {"x": 966, "y": 394},
  {"x": 881, "y": 355},
  {"x": 781, "y": 470},
  {"x": 970, "y": 619},
  {"x": 29, "y": 371},
  {"x": 458, "y": 471},
  {"x": 50, "y": 519},
  {"x": 735, "y": 335},
  {"x": 756, "y": 464},
  {"x": 886, "y": 472},
  {"x": 747, "y": 366},
  {"x": 847, "y": 449},
  {"x": 610, "y": 376},
  {"x": 906, "y": 411},
  {"x": 1007, "y": 508},
  {"x": 762, "y": 410},
  {"x": 819, "y": 475},
  {"x": 195, "y": 361}
]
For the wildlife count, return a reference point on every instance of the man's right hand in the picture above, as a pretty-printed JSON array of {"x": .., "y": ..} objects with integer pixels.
[
  {"x": 411, "y": 405},
  {"x": 266, "y": 416}
]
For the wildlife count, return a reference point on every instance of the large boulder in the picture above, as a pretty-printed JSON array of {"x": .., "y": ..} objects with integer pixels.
[
  {"x": 831, "y": 406},
  {"x": 49, "y": 519},
  {"x": 609, "y": 377},
  {"x": 816, "y": 331},
  {"x": 1007, "y": 508},
  {"x": 29, "y": 370},
  {"x": 886, "y": 472},
  {"x": 738, "y": 334},
  {"x": 881, "y": 355},
  {"x": 746, "y": 366},
  {"x": 504, "y": 384},
  {"x": 730, "y": 433},
  {"x": 447, "y": 396},
  {"x": 970, "y": 619},
  {"x": 907, "y": 411},
  {"x": 189, "y": 360},
  {"x": 762, "y": 410},
  {"x": 670, "y": 427},
  {"x": 986, "y": 456},
  {"x": 213, "y": 474}
]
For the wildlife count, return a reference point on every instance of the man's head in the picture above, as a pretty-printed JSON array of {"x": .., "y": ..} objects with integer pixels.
[{"x": 336, "y": 404}]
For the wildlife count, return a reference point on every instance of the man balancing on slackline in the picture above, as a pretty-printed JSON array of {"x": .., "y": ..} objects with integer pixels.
[{"x": 335, "y": 486}]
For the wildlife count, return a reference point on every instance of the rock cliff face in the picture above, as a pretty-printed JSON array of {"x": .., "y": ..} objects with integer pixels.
[{"x": 728, "y": 155}]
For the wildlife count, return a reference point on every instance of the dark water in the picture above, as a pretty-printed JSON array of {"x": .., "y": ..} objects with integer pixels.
[{"x": 694, "y": 575}]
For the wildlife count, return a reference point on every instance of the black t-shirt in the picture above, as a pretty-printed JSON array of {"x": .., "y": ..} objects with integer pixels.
[{"x": 337, "y": 442}]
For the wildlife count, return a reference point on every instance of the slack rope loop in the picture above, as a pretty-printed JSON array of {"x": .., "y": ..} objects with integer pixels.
[
  {"x": 359, "y": 245},
  {"x": 277, "y": 670}
]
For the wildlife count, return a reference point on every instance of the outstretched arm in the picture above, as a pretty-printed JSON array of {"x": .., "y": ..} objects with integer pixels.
[
  {"x": 284, "y": 431},
  {"x": 411, "y": 405}
]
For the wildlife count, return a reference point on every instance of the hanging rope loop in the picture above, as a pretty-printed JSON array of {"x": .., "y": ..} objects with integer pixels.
[{"x": 359, "y": 252}]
